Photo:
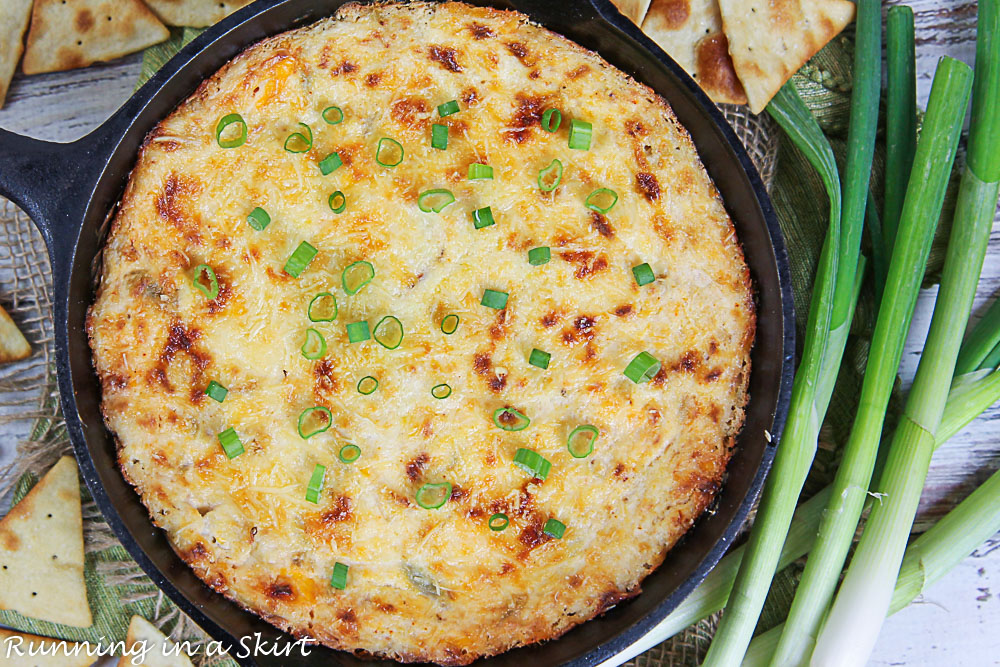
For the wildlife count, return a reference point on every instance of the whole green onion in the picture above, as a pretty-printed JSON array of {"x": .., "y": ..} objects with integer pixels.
[{"x": 900, "y": 116}]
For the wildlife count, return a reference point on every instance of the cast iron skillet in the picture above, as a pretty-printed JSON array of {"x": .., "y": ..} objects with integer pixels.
[{"x": 69, "y": 190}]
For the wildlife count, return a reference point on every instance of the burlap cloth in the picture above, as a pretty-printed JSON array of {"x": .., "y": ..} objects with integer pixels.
[{"x": 117, "y": 588}]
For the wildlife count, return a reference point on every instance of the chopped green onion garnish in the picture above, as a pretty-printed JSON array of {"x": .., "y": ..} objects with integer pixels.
[
  {"x": 510, "y": 419},
  {"x": 315, "y": 345},
  {"x": 483, "y": 217},
  {"x": 480, "y": 172},
  {"x": 230, "y": 442},
  {"x": 642, "y": 368},
  {"x": 300, "y": 259},
  {"x": 551, "y": 120},
  {"x": 339, "y": 578},
  {"x": 337, "y": 202},
  {"x": 532, "y": 463},
  {"x": 554, "y": 528},
  {"x": 231, "y": 142},
  {"x": 330, "y": 163},
  {"x": 435, "y": 200},
  {"x": 498, "y": 522},
  {"x": 439, "y": 136},
  {"x": 580, "y": 442},
  {"x": 313, "y": 421},
  {"x": 258, "y": 219},
  {"x": 389, "y": 332},
  {"x": 494, "y": 299},
  {"x": 550, "y": 177},
  {"x": 356, "y": 276},
  {"x": 216, "y": 391},
  {"x": 643, "y": 274},
  {"x": 367, "y": 385},
  {"x": 323, "y": 308},
  {"x": 449, "y": 324},
  {"x": 389, "y": 152},
  {"x": 539, "y": 358},
  {"x": 203, "y": 273},
  {"x": 349, "y": 453},
  {"x": 440, "y": 391},
  {"x": 358, "y": 332},
  {"x": 448, "y": 108},
  {"x": 540, "y": 255},
  {"x": 333, "y": 115},
  {"x": 298, "y": 142},
  {"x": 315, "y": 484},
  {"x": 432, "y": 496},
  {"x": 579, "y": 134},
  {"x": 601, "y": 200}
]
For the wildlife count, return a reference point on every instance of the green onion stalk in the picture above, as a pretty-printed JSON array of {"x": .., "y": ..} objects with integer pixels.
[
  {"x": 980, "y": 348},
  {"x": 900, "y": 117},
  {"x": 855, "y": 618}
]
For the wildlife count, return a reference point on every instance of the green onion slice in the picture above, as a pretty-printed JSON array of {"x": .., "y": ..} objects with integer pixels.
[
  {"x": 389, "y": 152},
  {"x": 480, "y": 172},
  {"x": 440, "y": 391},
  {"x": 449, "y": 324},
  {"x": 316, "y": 484},
  {"x": 337, "y": 202},
  {"x": 580, "y": 442},
  {"x": 580, "y": 134},
  {"x": 494, "y": 299},
  {"x": 642, "y": 368},
  {"x": 298, "y": 142},
  {"x": 551, "y": 120},
  {"x": 483, "y": 217},
  {"x": 333, "y": 115},
  {"x": 339, "y": 577},
  {"x": 433, "y": 496},
  {"x": 550, "y": 177},
  {"x": 204, "y": 273},
  {"x": 358, "y": 332},
  {"x": 315, "y": 345},
  {"x": 510, "y": 419},
  {"x": 601, "y": 200},
  {"x": 356, "y": 276},
  {"x": 323, "y": 308},
  {"x": 367, "y": 385},
  {"x": 439, "y": 136},
  {"x": 313, "y": 421},
  {"x": 216, "y": 391},
  {"x": 330, "y": 163},
  {"x": 300, "y": 259},
  {"x": 349, "y": 453},
  {"x": 540, "y": 255},
  {"x": 435, "y": 200},
  {"x": 230, "y": 442},
  {"x": 258, "y": 219},
  {"x": 232, "y": 141},
  {"x": 554, "y": 528},
  {"x": 448, "y": 108},
  {"x": 389, "y": 332},
  {"x": 643, "y": 274},
  {"x": 532, "y": 463},
  {"x": 539, "y": 358},
  {"x": 498, "y": 522}
]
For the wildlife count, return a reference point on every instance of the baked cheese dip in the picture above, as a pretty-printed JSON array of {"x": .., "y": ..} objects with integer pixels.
[{"x": 423, "y": 332}]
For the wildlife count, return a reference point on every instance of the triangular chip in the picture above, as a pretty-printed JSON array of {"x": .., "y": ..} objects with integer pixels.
[
  {"x": 690, "y": 31},
  {"x": 148, "y": 647},
  {"x": 13, "y": 22},
  {"x": 13, "y": 345},
  {"x": 194, "y": 13},
  {"x": 41, "y": 551},
  {"x": 635, "y": 10},
  {"x": 770, "y": 41},
  {"x": 15, "y": 648},
  {"x": 66, "y": 34}
]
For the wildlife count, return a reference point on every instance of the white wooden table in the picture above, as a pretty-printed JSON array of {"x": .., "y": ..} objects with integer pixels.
[{"x": 957, "y": 622}]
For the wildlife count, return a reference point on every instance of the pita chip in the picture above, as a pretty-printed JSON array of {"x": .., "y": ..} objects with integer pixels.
[
  {"x": 66, "y": 34},
  {"x": 48, "y": 652},
  {"x": 194, "y": 13},
  {"x": 634, "y": 10},
  {"x": 41, "y": 551},
  {"x": 14, "y": 16},
  {"x": 690, "y": 31},
  {"x": 13, "y": 345},
  {"x": 146, "y": 646},
  {"x": 769, "y": 41}
]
